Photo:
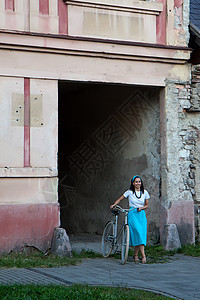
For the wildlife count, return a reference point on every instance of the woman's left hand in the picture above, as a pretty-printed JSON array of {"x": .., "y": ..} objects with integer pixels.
[{"x": 139, "y": 209}]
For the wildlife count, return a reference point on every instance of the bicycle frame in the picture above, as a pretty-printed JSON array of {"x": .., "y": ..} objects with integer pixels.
[
  {"x": 116, "y": 235},
  {"x": 113, "y": 238}
]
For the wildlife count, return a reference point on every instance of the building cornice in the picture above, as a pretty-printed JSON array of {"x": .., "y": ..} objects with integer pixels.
[
  {"x": 131, "y": 6},
  {"x": 83, "y": 46}
]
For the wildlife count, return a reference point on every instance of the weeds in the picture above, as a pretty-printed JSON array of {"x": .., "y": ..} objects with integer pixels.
[
  {"x": 190, "y": 249},
  {"x": 157, "y": 254}
]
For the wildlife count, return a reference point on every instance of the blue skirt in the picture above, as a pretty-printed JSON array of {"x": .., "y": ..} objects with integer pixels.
[{"x": 137, "y": 222}]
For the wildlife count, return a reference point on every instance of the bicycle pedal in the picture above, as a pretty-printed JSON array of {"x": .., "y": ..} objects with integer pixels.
[{"x": 118, "y": 252}]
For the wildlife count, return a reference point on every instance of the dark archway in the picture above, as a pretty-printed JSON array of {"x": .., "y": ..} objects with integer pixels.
[{"x": 107, "y": 133}]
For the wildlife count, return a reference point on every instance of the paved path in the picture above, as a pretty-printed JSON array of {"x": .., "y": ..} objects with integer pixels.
[{"x": 179, "y": 278}]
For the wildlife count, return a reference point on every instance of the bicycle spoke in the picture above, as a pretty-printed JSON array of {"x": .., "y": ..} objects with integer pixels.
[
  {"x": 125, "y": 244},
  {"x": 107, "y": 240}
]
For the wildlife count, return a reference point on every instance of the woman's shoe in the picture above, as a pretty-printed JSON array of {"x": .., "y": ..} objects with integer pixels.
[
  {"x": 136, "y": 259},
  {"x": 144, "y": 260}
]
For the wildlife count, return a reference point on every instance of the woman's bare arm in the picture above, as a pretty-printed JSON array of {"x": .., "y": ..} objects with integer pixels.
[
  {"x": 146, "y": 205},
  {"x": 117, "y": 201}
]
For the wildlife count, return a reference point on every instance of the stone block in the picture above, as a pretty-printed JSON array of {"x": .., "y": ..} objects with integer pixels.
[
  {"x": 60, "y": 243},
  {"x": 182, "y": 133},
  {"x": 189, "y": 147},
  {"x": 184, "y": 153},
  {"x": 181, "y": 213},
  {"x": 196, "y": 209},
  {"x": 171, "y": 238}
]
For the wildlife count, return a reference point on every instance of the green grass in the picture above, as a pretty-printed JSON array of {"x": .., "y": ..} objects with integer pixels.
[
  {"x": 36, "y": 258},
  {"x": 157, "y": 254},
  {"x": 190, "y": 249},
  {"x": 82, "y": 292},
  {"x": 154, "y": 254}
]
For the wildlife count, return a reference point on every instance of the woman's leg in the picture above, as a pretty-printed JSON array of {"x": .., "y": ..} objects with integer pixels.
[
  {"x": 141, "y": 248},
  {"x": 137, "y": 248}
]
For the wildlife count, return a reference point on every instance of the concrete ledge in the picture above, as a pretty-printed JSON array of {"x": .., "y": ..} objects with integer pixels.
[{"x": 28, "y": 172}]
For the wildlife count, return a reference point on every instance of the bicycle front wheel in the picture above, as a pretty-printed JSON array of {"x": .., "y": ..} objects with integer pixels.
[
  {"x": 125, "y": 244},
  {"x": 107, "y": 239}
]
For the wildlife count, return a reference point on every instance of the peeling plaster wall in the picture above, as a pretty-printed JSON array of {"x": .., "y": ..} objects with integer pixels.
[
  {"x": 29, "y": 209},
  {"x": 177, "y": 205},
  {"x": 177, "y": 22},
  {"x": 186, "y": 19},
  {"x": 115, "y": 135}
]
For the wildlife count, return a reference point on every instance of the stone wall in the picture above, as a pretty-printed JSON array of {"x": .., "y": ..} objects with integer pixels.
[
  {"x": 177, "y": 206},
  {"x": 194, "y": 135},
  {"x": 181, "y": 164}
]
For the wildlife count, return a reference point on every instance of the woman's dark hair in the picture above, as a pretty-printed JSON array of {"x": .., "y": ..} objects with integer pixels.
[{"x": 132, "y": 187}]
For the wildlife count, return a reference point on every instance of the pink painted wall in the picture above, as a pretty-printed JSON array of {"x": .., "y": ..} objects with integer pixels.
[
  {"x": 44, "y": 7},
  {"x": 63, "y": 17},
  {"x": 180, "y": 213},
  {"x": 161, "y": 25},
  {"x": 26, "y": 122},
  {"x": 9, "y": 5},
  {"x": 35, "y": 228},
  {"x": 178, "y": 3}
]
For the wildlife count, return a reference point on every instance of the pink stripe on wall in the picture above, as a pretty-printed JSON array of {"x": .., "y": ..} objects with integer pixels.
[
  {"x": 10, "y": 5},
  {"x": 44, "y": 7},
  {"x": 161, "y": 25},
  {"x": 63, "y": 17},
  {"x": 26, "y": 122}
]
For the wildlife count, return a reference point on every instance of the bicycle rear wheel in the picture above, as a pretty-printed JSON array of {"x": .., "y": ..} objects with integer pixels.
[
  {"x": 107, "y": 239},
  {"x": 125, "y": 244}
]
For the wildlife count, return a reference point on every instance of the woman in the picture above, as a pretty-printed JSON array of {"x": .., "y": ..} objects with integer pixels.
[{"x": 138, "y": 198}]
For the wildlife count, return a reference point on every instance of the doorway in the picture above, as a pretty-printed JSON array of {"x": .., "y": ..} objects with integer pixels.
[{"x": 107, "y": 133}]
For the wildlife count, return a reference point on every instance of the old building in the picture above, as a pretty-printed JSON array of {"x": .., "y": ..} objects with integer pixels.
[{"x": 93, "y": 92}]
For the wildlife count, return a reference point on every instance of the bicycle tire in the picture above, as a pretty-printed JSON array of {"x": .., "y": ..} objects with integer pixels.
[
  {"x": 125, "y": 244},
  {"x": 107, "y": 239}
]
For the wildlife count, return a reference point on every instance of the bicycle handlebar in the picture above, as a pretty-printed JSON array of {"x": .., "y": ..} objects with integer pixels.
[{"x": 124, "y": 210}]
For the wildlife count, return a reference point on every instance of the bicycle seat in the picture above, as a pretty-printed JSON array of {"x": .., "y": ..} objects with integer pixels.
[{"x": 115, "y": 211}]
